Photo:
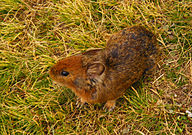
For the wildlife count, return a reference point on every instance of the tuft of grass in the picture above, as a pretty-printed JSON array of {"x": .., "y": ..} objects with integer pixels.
[{"x": 35, "y": 34}]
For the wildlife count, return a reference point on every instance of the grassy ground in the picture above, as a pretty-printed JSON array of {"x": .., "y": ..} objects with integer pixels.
[{"x": 35, "y": 34}]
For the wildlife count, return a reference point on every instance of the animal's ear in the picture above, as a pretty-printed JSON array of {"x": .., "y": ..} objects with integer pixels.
[
  {"x": 92, "y": 51},
  {"x": 95, "y": 69}
]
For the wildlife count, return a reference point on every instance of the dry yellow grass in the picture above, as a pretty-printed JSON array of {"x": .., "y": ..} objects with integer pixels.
[{"x": 36, "y": 33}]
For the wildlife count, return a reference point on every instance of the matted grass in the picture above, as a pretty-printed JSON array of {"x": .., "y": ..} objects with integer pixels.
[{"x": 35, "y": 34}]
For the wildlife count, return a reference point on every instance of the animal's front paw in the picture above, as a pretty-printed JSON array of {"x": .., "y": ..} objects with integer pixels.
[
  {"x": 109, "y": 105},
  {"x": 80, "y": 103}
]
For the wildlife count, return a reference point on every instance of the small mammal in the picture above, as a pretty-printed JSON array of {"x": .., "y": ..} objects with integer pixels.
[{"x": 103, "y": 75}]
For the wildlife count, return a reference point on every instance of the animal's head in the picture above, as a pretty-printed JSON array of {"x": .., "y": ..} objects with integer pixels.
[{"x": 70, "y": 72}]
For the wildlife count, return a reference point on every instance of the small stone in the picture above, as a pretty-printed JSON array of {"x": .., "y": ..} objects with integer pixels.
[
  {"x": 170, "y": 111},
  {"x": 189, "y": 114}
]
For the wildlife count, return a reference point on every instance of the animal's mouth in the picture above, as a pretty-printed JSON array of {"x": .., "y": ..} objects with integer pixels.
[{"x": 55, "y": 82}]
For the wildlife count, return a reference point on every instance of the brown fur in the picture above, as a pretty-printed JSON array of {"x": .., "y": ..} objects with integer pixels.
[{"x": 102, "y": 75}]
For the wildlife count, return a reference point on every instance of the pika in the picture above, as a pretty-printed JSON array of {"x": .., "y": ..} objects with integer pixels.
[{"x": 103, "y": 75}]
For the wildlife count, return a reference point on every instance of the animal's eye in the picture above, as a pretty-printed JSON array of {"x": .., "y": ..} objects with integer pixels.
[{"x": 64, "y": 73}]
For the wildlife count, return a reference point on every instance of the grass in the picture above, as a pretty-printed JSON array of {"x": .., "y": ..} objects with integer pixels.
[{"x": 35, "y": 34}]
